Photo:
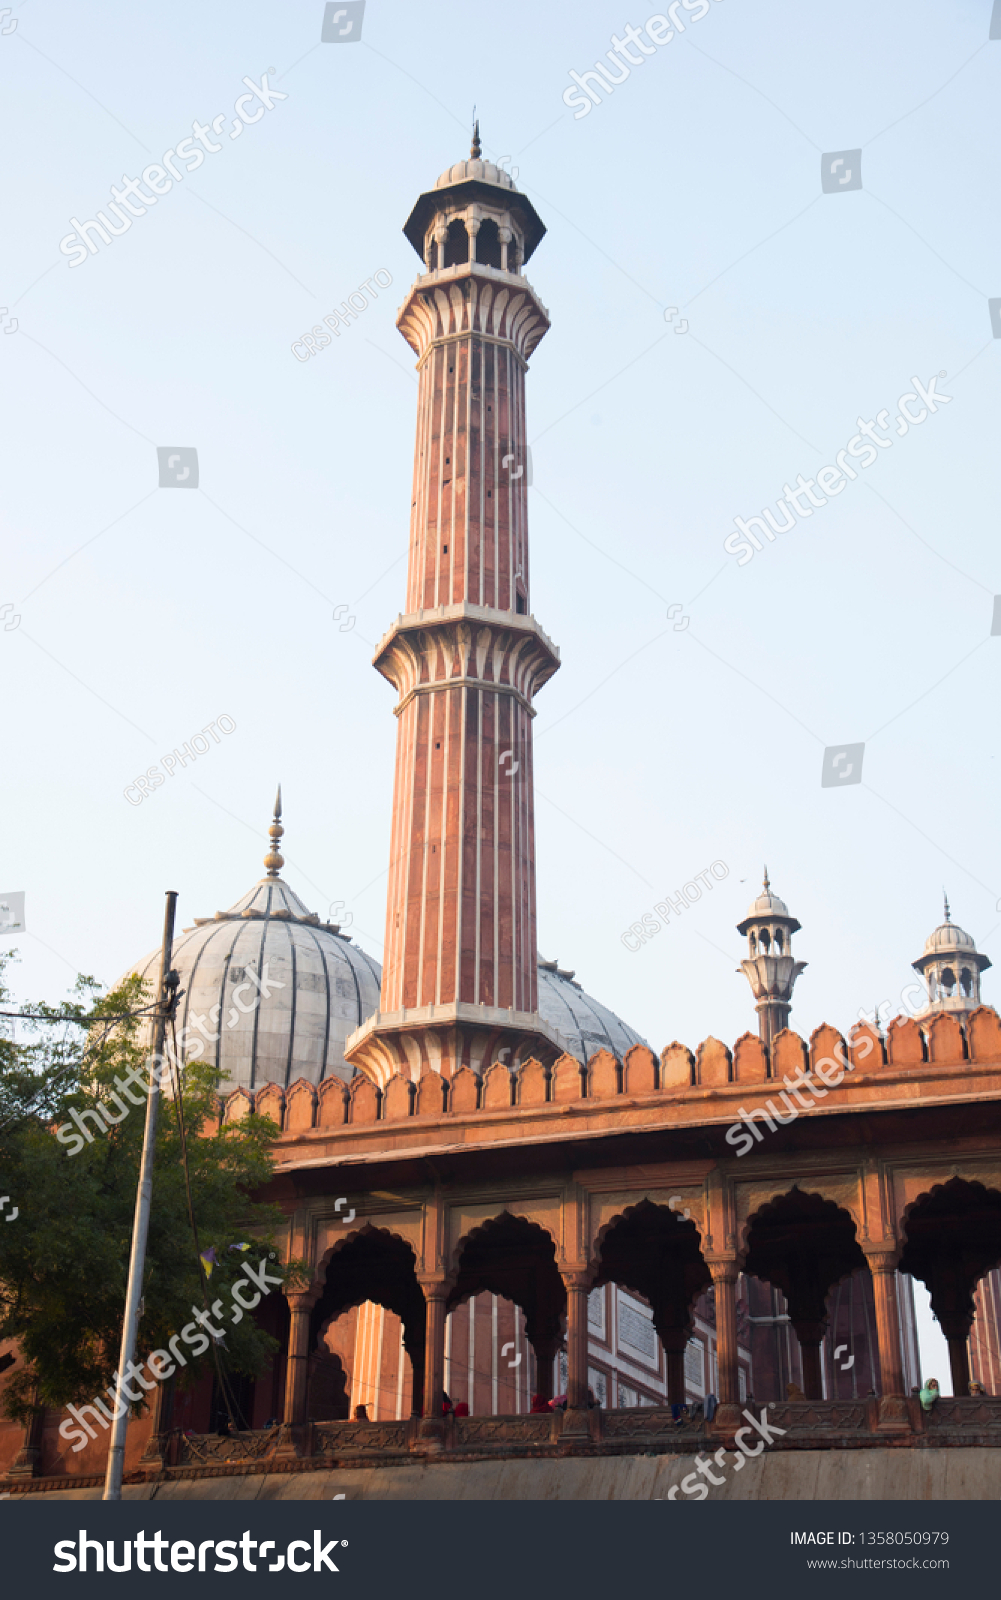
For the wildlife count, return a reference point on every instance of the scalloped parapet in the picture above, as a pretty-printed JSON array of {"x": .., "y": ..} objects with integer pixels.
[{"x": 711, "y": 1086}]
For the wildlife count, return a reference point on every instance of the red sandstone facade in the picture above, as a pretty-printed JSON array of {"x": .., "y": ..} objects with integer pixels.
[{"x": 484, "y": 1165}]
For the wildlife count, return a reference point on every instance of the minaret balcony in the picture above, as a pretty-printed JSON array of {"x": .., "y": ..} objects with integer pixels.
[{"x": 463, "y": 645}]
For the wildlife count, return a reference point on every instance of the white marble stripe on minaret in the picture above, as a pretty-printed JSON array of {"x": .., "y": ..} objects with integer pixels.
[
  {"x": 377, "y": 1386},
  {"x": 479, "y": 842},
  {"x": 496, "y": 849},
  {"x": 493, "y": 1355},
  {"x": 400, "y": 1363},
  {"x": 471, "y": 1373}
]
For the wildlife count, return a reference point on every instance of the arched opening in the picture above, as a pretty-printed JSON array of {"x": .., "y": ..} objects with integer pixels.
[
  {"x": 799, "y": 1245},
  {"x": 507, "y": 1318},
  {"x": 753, "y": 942},
  {"x": 201, "y": 1407},
  {"x": 953, "y": 1239},
  {"x": 456, "y": 244},
  {"x": 488, "y": 246},
  {"x": 366, "y": 1344},
  {"x": 966, "y": 982},
  {"x": 779, "y": 941},
  {"x": 659, "y": 1320},
  {"x": 765, "y": 940},
  {"x": 948, "y": 980}
]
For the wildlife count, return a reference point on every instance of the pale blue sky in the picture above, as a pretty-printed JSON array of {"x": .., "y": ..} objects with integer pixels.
[{"x": 695, "y": 185}]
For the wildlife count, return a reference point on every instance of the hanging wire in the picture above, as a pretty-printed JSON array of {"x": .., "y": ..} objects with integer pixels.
[{"x": 80, "y": 1022}]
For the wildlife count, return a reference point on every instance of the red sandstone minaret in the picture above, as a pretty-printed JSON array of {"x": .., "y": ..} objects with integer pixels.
[{"x": 459, "y": 982}]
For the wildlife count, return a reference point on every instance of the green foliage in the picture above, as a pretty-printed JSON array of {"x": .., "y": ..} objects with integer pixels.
[{"x": 64, "y": 1261}]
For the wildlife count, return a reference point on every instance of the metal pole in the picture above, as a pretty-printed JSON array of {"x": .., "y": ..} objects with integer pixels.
[{"x": 140, "y": 1225}]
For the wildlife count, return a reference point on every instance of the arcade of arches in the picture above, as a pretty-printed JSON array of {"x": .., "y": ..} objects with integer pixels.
[{"x": 731, "y": 1286}]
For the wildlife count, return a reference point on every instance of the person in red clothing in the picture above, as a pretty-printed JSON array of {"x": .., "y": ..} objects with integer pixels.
[
  {"x": 539, "y": 1405},
  {"x": 461, "y": 1409}
]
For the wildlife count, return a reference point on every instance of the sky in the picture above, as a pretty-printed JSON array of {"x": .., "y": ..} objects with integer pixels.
[{"x": 721, "y": 325}]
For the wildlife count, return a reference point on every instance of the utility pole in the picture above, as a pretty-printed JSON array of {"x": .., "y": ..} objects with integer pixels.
[{"x": 140, "y": 1225}]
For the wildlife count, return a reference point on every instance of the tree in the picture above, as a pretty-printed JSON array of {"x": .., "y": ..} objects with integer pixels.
[{"x": 72, "y": 1112}]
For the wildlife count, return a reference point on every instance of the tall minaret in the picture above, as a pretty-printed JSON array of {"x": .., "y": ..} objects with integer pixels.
[
  {"x": 770, "y": 968},
  {"x": 467, "y": 656}
]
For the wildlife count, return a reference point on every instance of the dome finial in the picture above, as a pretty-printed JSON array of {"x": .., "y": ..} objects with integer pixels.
[
  {"x": 945, "y": 897},
  {"x": 274, "y": 860},
  {"x": 767, "y": 885},
  {"x": 475, "y": 149}
]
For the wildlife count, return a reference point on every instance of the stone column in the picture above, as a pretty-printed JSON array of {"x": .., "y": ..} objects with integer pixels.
[
  {"x": 292, "y": 1439},
  {"x": 576, "y": 1419},
  {"x": 27, "y": 1463},
  {"x": 675, "y": 1342},
  {"x": 432, "y": 1428},
  {"x": 956, "y": 1327},
  {"x": 893, "y": 1415},
  {"x": 297, "y": 1368},
  {"x": 155, "y": 1454},
  {"x": 726, "y": 1271},
  {"x": 811, "y": 1337}
]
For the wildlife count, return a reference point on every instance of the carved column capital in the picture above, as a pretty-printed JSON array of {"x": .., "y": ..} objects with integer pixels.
[
  {"x": 881, "y": 1257},
  {"x": 576, "y": 1278},
  {"x": 724, "y": 1268},
  {"x": 302, "y": 1299}
]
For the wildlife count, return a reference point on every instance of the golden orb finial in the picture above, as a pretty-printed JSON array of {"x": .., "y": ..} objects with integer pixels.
[{"x": 274, "y": 860}]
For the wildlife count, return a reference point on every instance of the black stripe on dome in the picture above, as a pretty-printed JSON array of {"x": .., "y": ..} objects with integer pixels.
[
  {"x": 222, "y": 994},
  {"x": 291, "y": 1020},
  {"x": 257, "y": 1008},
  {"x": 326, "y": 982}
]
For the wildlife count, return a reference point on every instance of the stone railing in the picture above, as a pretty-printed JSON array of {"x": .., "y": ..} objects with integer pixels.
[
  {"x": 977, "y": 1414},
  {"x": 805, "y": 1424},
  {"x": 215, "y": 1450},
  {"x": 351, "y": 1438},
  {"x": 499, "y": 1433},
  {"x": 650, "y": 1424}
]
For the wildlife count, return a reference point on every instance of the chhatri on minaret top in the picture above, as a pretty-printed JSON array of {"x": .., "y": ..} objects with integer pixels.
[
  {"x": 770, "y": 967},
  {"x": 950, "y": 965}
]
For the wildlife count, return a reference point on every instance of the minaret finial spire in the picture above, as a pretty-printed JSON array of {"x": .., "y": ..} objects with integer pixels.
[
  {"x": 475, "y": 149},
  {"x": 274, "y": 860},
  {"x": 945, "y": 897},
  {"x": 767, "y": 884}
]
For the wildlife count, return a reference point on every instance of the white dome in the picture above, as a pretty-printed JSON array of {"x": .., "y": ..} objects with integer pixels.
[
  {"x": 485, "y": 171},
  {"x": 315, "y": 987},
  {"x": 586, "y": 1025},
  {"x": 947, "y": 937}
]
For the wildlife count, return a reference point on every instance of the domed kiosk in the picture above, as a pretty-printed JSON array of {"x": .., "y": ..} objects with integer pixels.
[{"x": 951, "y": 966}]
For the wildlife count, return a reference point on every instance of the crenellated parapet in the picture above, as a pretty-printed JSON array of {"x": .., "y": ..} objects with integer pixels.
[{"x": 943, "y": 1064}]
